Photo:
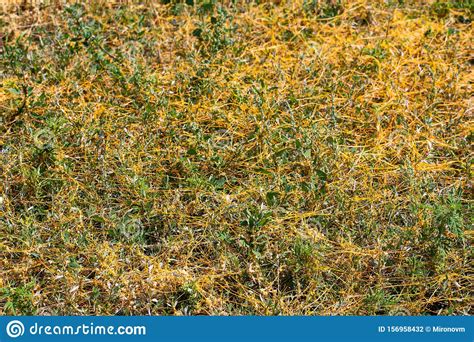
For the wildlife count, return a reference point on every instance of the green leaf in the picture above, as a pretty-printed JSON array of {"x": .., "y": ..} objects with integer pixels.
[
  {"x": 272, "y": 198},
  {"x": 322, "y": 175},
  {"x": 192, "y": 151}
]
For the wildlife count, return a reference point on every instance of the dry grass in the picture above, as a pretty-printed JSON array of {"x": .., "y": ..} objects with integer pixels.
[{"x": 288, "y": 157}]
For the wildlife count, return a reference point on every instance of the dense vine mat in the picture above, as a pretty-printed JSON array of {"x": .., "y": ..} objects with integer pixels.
[{"x": 237, "y": 157}]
